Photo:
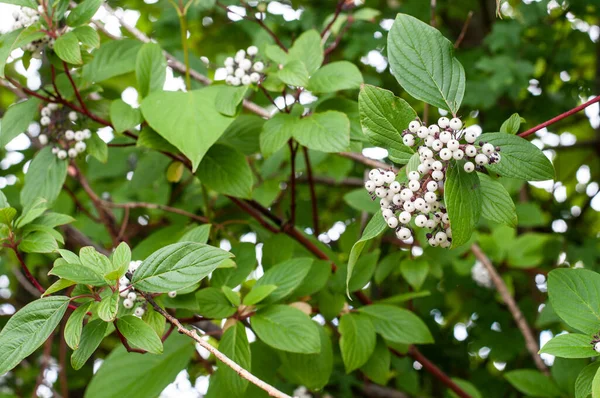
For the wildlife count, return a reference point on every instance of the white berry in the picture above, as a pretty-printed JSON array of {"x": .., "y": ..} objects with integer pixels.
[
  {"x": 139, "y": 312},
  {"x": 437, "y": 165},
  {"x": 403, "y": 233},
  {"x": 70, "y": 135},
  {"x": 470, "y": 137},
  {"x": 392, "y": 222},
  {"x": 433, "y": 129},
  {"x": 446, "y": 154},
  {"x": 420, "y": 220},
  {"x": 404, "y": 217},
  {"x": 409, "y": 207},
  {"x": 414, "y": 175},
  {"x": 422, "y": 132},
  {"x": 380, "y": 192},
  {"x": 481, "y": 159},
  {"x": 43, "y": 139},
  {"x": 437, "y": 175},
  {"x": 458, "y": 154},
  {"x": 406, "y": 194},
  {"x": 172, "y": 294},
  {"x": 72, "y": 153},
  {"x": 80, "y": 146},
  {"x": 252, "y": 50},
  {"x": 127, "y": 303},
  {"x": 79, "y": 136},
  {"x": 389, "y": 177},
  {"x": 488, "y": 149},
  {"x": 45, "y": 121},
  {"x": 370, "y": 186},
  {"x": 387, "y": 213},
  {"x": 414, "y": 126},
  {"x": 73, "y": 116},
  {"x": 432, "y": 186},
  {"x": 414, "y": 185},
  {"x": 395, "y": 187},
  {"x": 470, "y": 151},
  {"x": 437, "y": 145},
  {"x": 258, "y": 66},
  {"x": 408, "y": 140},
  {"x": 455, "y": 124},
  {"x": 430, "y": 197},
  {"x": 443, "y": 122},
  {"x": 453, "y": 145},
  {"x": 469, "y": 167},
  {"x": 441, "y": 237}
]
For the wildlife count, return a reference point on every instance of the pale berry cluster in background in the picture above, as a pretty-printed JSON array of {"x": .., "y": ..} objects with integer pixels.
[
  {"x": 59, "y": 129},
  {"x": 244, "y": 69},
  {"x": 130, "y": 297},
  {"x": 25, "y": 17},
  {"x": 419, "y": 199},
  {"x": 481, "y": 275}
]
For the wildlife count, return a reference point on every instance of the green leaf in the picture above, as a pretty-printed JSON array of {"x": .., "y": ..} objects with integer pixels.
[
  {"x": 53, "y": 220},
  {"x": 67, "y": 48},
  {"x": 244, "y": 134},
  {"x": 16, "y": 119},
  {"x": 69, "y": 256},
  {"x": 108, "y": 307},
  {"x": 58, "y": 286},
  {"x": 336, "y": 76},
  {"x": 397, "y": 325},
  {"x": 198, "y": 234},
  {"x": 463, "y": 201},
  {"x": 326, "y": 132},
  {"x": 123, "y": 116},
  {"x": 97, "y": 148},
  {"x": 533, "y": 383},
  {"x": 94, "y": 260},
  {"x": 572, "y": 345},
  {"x": 234, "y": 344},
  {"x": 120, "y": 260},
  {"x": 229, "y": 98},
  {"x": 155, "y": 320},
  {"x": 519, "y": 158},
  {"x": 78, "y": 274},
  {"x": 232, "y": 296},
  {"x": 88, "y": 36},
  {"x": 286, "y": 328},
  {"x": 287, "y": 276},
  {"x": 177, "y": 266},
  {"x": 190, "y": 121},
  {"x": 496, "y": 205},
  {"x": 150, "y": 69},
  {"x": 38, "y": 242},
  {"x": 377, "y": 368},
  {"x": 149, "y": 138},
  {"x": 415, "y": 271},
  {"x": 359, "y": 199},
  {"x": 133, "y": 375},
  {"x": 422, "y": 61},
  {"x": 26, "y": 330},
  {"x": 275, "y": 133},
  {"x": 574, "y": 296},
  {"x": 114, "y": 58},
  {"x": 383, "y": 117},
  {"x": 44, "y": 179},
  {"x": 32, "y": 211},
  {"x": 374, "y": 228},
  {"x": 74, "y": 325},
  {"x": 583, "y": 384},
  {"x": 358, "y": 340},
  {"x": 275, "y": 53},
  {"x": 16, "y": 39},
  {"x": 139, "y": 334},
  {"x": 294, "y": 73},
  {"x": 307, "y": 48},
  {"x": 258, "y": 294},
  {"x": 213, "y": 303},
  {"x": 84, "y": 11},
  {"x": 92, "y": 336},
  {"x": 512, "y": 124},
  {"x": 225, "y": 170},
  {"x": 24, "y": 3}
]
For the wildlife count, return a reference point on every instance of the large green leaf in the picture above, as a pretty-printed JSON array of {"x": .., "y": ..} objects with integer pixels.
[
  {"x": 226, "y": 170},
  {"x": 229, "y": 98},
  {"x": 150, "y": 69},
  {"x": 383, "y": 117},
  {"x": 234, "y": 344},
  {"x": 38, "y": 242},
  {"x": 189, "y": 121},
  {"x": 15, "y": 39},
  {"x": 83, "y": 12},
  {"x": 532, "y": 383},
  {"x": 574, "y": 295},
  {"x": 177, "y": 266},
  {"x": 336, "y": 76},
  {"x": 212, "y": 303},
  {"x": 108, "y": 307},
  {"x": 67, "y": 48},
  {"x": 377, "y": 368},
  {"x": 496, "y": 205},
  {"x": 92, "y": 336},
  {"x": 275, "y": 133},
  {"x": 572, "y": 345},
  {"x": 358, "y": 340},
  {"x": 139, "y": 334},
  {"x": 519, "y": 158},
  {"x": 307, "y": 48},
  {"x": 294, "y": 73},
  {"x": 415, "y": 271},
  {"x": 422, "y": 61},
  {"x": 462, "y": 197},
  {"x": 78, "y": 274},
  {"x": 326, "y": 132},
  {"x": 140, "y": 376},
  {"x": 44, "y": 179},
  {"x": 123, "y": 116},
  {"x": 74, "y": 325},
  {"x": 287, "y": 329},
  {"x": 287, "y": 276},
  {"x": 26, "y": 330},
  {"x": 583, "y": 384},
  {"x": 397, "y": 324},
  {"x": 113, "y": 58},
  {"x": 16, "y": 119}
]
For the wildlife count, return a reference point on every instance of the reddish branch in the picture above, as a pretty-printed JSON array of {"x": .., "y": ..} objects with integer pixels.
[{"x": 313, "y": 194}]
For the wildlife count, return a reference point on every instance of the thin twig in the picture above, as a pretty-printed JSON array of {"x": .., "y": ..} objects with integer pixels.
[
  {"x": 313, "y": 194},
  {"x": 144, "y": 205},
  {"x": 123, "y": 224},
  {"x": 530, "y": 340},
  {"x": 338, "y": 10},
  {"x": 77, "y": 93},
  {"x": 243, "y": 373},
  {"x": 463, "y": 31},
  {"x": 293, "y": 149}
]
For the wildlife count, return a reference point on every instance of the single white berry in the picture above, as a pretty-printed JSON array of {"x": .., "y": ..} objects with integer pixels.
[
  {"x": 414, "y": 185},
  {"x": 434, "y": 129},
  {"x": 470, "y": 137},
  {"x": 427, "y": 153},
  {"x": 432, "y": 186},
  {"x": 73, "y": 116},
  {"x": 403, "y": 233},
  {"x": 445, "y": 136},
  {"x": 45, "y": 121},
  {"x": 134, "y": 265},
  {"x": 437, "y": 145},
  {"x": 378, "y": 179},
  {"x": 409, "y": 206},
  {"x": 229, "y": 61},
  {"x": 373, "y": 173},
  {"x": 430, "y": 224},
  {"x": 437, "y": 175},
  {"x": 430, "y": 197},
  {"x": 420, "y": 220},
  {"x": 449, "y": 232},
  {"x": 139, "y": 312},
  {"x": 445, "y": 244},
  {"x": 370, "y": 186},
  {"x": 470, "y": 151},
  {"x": 426, "y": 208},
  {"x": 132, "y": 296},
  {"x": 252, "y": 51},
  {"x": 408, "y": 140},
  {"x": 172, "y": 294},
  {"x": 414, "y": 175},
  {"x": 246, "y": 64},
  {"x": 79, "y": 136},
  {"x": 55, "y": 150},
  {"x": 72, "y": 153},
  {"x": 258, "y": 66},
  {"x": 422, "y": 132},
  {"x": 387, "y": 213},
  {"x": 423, "y": 169},
  {"x": 52, "y": 106},
  {"x": 433, "y": 242},
  {"x": 87, "y": 134},
  {"x": 43, "y": 139},
  {"x": 240, "y": 55},
  {"x": 239, "y": 72},
  {"x": 481, "y": 159},
  {"x": 395, "y": 187},
  {"x": 488, "y": 149},
  {"x": 236, "y": 81},
  {"x": 443, "y": 122},
  {"x": 429, "y": 140},
  {"x": 392, "y": 222},
  {"x": 469, "y": 167},
  {"x": 414, "y": 126},
  {"x": 246, "y": 81},
  {"x": 404, "y": 217},
  {"x": 80, "y": 147},
  {"x": 458, "y": 154},
  {"x": 380, "y": 192},
  {"x": 445, "y": 218},
  {"x": 124, "y": 293},
  {"x": 434, "y": 206},
  {"x": 254, "y": 77},
  {"x": 397, "y": 199},
  {"x": 455, "y": 124},
  {"x": 446, "y": 154},
  {"x": 453, "y": 145},
  {"x": 127, "y": 303},
  {"x": 389, "y": 177},
  {"x": 384, "y": 203},
  {"x": 419, "y": 204},
  {"x": 46, "y": 111},
  {"x": 70, "y": 135},
  {"x": 406, "y": 194},
  {"x": 437, "y": 165},
  {"x": 441, "y": 237}
]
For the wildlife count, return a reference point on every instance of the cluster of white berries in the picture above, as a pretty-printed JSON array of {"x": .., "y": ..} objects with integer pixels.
[
  {"x": 481, "y": 275},
  {"x": 128, "y": 292},
  {"x": 243, "y": 69},
  {"x": 68, "y": 143},
  {"x": 442, "y": 142},
  {"x": 25, "y": 17}
]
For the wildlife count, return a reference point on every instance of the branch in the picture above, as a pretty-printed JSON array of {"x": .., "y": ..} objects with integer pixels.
[
  {"x": 77, "y": 93},
  {"x": 463, "y": 31},
  {"x": 560, "y": 117},
  {"x": 144, "y": 205},
  {"x": 243, "y": 373},
  {"x": 530, "y": 341},
  {"x": 293, "y": 150},
  {"x": 338, "y": 10},
  {"x": 313, "y": 194}
]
